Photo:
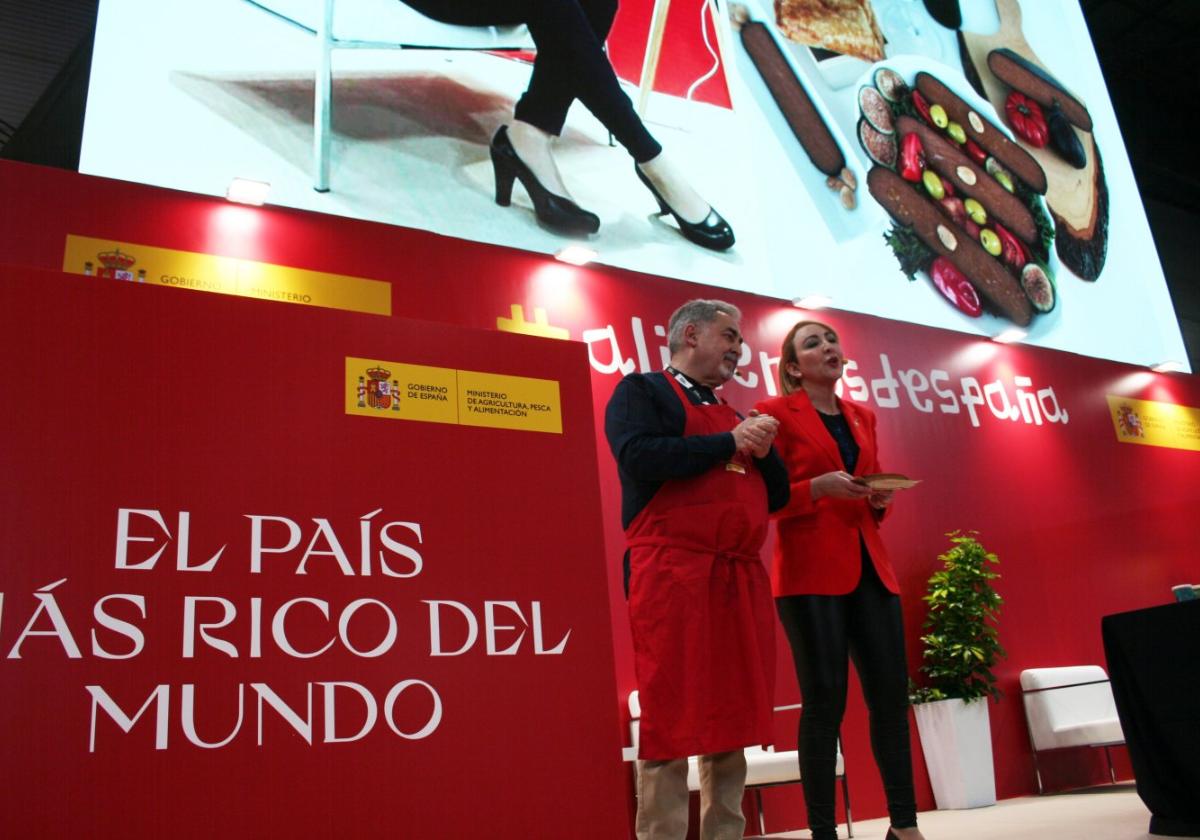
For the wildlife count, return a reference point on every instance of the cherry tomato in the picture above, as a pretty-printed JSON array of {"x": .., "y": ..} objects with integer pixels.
[
  {"x": 912, "y": 158},
  {"x": 953, "y": 208},
  {"x": 956, "y": 287},
  {"x": 1026, "y": 118},
  {"x": 1012, "y": 250},
  {"x": 922, "y": 105},
  {"x": 975, "y": 151}
]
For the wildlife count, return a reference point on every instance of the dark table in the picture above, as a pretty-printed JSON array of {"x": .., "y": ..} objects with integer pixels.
[{"x": 1154, "y": 663}]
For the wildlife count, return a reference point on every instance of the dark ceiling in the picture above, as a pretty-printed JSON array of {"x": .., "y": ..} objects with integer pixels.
[{"x": 1146, "y": 50}]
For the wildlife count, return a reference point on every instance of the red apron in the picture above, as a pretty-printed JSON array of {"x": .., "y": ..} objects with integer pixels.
[{"x": 700, "y": 606}]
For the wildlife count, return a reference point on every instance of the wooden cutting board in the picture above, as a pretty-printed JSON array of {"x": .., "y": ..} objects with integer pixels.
[{"x": 1077, "y": 198}]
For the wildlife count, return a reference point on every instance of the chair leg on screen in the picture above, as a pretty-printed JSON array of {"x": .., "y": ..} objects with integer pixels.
[
  {"x": 323, "y": 100},
  {"x": 846, "y": 801}
]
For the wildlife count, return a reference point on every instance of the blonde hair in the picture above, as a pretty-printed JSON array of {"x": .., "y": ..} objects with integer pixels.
[{"x": 787, "y": 355}]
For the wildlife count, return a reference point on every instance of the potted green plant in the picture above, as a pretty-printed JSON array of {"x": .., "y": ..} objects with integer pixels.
[{"x": 961, "y": 647}]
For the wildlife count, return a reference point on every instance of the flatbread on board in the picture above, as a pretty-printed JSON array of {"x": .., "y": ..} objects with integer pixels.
[{"x": 843, "y": 26}]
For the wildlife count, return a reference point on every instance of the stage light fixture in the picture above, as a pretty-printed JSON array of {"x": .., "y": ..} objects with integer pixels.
[
  {"x": 576, "y": 255},
  {"x": 247, "y": 191},
  {"x": 1010, "y": 335},
  {"x": 812, "y": 301}
]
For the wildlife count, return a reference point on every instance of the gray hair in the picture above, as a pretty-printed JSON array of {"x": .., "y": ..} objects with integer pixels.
[{"x": 697, "y": 311}]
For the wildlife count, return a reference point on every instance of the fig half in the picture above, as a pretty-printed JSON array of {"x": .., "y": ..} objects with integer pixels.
[{"x": 1038, "y": 286}]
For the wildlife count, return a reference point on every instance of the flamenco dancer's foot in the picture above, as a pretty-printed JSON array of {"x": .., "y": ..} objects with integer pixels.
[
  {"x": 522, "y": 153},
  {"x": 697, "y": 220}
]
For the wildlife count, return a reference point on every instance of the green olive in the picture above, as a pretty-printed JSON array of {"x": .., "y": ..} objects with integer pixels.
[
  {"x": 938, "y": 114},
  {"x": 990, "y": 242},
  {"x": 933, "y": 185},
  {"x": 956, "y": 132},
  {"x": 1004, "y": 179},
  {"x": 975, "y": 211}
]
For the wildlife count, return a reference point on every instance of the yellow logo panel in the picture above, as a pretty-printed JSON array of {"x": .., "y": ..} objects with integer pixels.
[
  {"x": 1155, "y": 423},
  {"x": 398, "y": 391},
  {"x": 509, "y": 402},
  {"x": 107, "y": 259}
]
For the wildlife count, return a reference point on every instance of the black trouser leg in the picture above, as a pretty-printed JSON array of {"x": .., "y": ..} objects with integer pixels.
[
  {"x": 570, "y": 63},
  {"x": 825, "y": 631},
  {"x": 815, "y": 627},
  {"x": 575, "y": 25},
  {"x": 876, "y": 630}
]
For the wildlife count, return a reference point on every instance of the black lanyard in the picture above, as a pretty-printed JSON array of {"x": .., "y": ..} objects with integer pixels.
[{"x": 692, "y": 389}]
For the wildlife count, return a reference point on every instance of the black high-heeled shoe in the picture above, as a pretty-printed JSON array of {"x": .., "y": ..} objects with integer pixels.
[
  {"x": 711, "y": 232},
  {"x": 554, "y": 212}
]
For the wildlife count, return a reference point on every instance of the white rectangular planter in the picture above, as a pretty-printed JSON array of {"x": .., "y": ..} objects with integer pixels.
[{"x": 957, "y": 743}]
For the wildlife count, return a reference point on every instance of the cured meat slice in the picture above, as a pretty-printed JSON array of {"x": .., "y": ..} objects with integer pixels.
[
  {"x": 987, "y": 274},
  {"x": 970, "y": 180},
  {"x": 793, "y": 100},
  {"x": 984, "y": 132}
]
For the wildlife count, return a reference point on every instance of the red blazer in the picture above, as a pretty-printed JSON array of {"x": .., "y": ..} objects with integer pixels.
[{"x": 817, "y": 551}]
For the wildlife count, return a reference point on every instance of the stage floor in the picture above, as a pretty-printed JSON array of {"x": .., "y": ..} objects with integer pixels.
[{"x": 1102, "y": 813}]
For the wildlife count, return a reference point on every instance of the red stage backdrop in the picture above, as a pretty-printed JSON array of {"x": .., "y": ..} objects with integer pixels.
[
  {"x": 244, "y": 596},
  {"x": 1024, "y": 445}
]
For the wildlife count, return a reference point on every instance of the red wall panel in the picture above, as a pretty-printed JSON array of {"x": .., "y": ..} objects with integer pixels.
[
  {"x": 1084, "y": 525},
  {"x": 213, "y": 413}
]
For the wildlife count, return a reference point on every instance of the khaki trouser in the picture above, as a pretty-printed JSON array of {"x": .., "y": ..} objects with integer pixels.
[{"x": 663, "y": 798}]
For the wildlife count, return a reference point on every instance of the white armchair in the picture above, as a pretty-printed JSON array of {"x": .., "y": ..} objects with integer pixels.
[
  {"x": 1070, "y": 707},
  {"x": 764, "y": 766},
  {"x": 374, "y": 25}
]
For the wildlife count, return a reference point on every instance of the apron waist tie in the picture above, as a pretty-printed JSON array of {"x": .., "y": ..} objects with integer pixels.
[{"x": 664, "y": 542}]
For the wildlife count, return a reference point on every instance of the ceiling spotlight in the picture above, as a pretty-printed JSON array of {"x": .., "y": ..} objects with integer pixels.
[
  {"x": 812, "y": 301},
  {"x": 1169, "y": 366},
  {"x": 576, "y": 255},
  {"x": 246, "y": 191},
  {"x": 1010, "y": 335}
]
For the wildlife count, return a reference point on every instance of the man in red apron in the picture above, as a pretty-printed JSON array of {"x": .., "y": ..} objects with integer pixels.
[{"x": 698, "y": 482}]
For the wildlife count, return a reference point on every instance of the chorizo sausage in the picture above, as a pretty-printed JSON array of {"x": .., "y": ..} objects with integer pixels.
[
  {"x": 982, "y": 131},
  {"x": 986, "y": 273},
  {"x": 967, "y": 178}
]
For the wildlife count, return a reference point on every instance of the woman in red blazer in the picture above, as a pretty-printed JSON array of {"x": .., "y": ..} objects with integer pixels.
[{"x": 834, "y": 587}]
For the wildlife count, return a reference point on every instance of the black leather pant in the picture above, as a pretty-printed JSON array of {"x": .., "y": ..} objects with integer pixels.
[
  {"x": 570, "y": 63},
  {"x": 825, "y": 632}
]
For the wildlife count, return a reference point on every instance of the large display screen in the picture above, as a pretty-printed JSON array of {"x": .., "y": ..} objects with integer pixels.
[{"x": 952, "y": 164}]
